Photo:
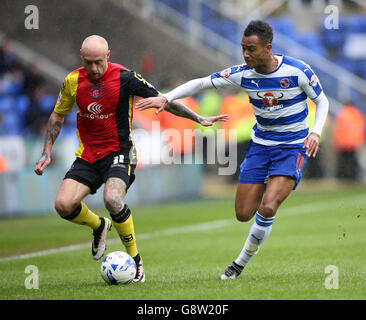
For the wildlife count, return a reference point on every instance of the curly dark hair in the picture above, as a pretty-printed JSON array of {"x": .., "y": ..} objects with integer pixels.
[{"x": 260, "y": 28}]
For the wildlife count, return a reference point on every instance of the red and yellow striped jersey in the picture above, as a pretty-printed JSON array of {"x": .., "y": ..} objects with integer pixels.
[{"x": 104, "y": 115}]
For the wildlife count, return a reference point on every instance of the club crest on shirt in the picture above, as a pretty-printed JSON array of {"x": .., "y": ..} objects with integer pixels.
[
  {"x": 285, "y": 83},
  {"x": 96, "y": 93},
  {"x": 225, "y": 73}
]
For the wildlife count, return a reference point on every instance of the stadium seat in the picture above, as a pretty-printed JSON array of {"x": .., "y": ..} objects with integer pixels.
[
  {"x": 348, "y": 64},
  {"x": 358, "y": 99},
  {"x": 333, "y": 38},
  {"x": 6, "y": 103},
  {"x": 229, "y": 30},
  {"x": 10, "y": 124},
  {"x": 11, "y": 84},
  {"x": 363, "y": 70},
  {"x": 285, "y": 26},
  {"x": 206, "y": 13},
  {"x": 354, "y": 23},
  {"x": 21, "y": 103},
  {"x": 47, "y": 102},
  {"x": 312, "y": 41},
  {"x": 181, "y": 6},
  {"x": 71, "y": 119},
  {"x": 67, "y": 130}
]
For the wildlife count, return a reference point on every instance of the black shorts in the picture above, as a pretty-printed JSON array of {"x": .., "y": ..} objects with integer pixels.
[{"x": 93, "y": 175}]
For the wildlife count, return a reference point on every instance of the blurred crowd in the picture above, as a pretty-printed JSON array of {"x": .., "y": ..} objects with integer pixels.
[
  {"x": 26, "y": 103},
  {"x": 25, "y": 100}
]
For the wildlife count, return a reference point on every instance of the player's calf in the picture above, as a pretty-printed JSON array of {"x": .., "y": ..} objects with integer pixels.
[{"x": 82, "y": 215}]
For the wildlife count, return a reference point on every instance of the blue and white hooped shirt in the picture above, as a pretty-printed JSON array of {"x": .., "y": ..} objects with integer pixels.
[{"x": 278, "y": 98}]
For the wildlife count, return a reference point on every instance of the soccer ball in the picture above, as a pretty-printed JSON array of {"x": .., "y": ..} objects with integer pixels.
[{"x": 118, "y": 267}]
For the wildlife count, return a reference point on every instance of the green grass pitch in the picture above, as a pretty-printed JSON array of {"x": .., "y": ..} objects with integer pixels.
[{"x": 185, "y": 247}]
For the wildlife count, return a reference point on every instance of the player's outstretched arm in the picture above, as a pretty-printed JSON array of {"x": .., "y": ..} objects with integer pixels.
[
  {"x": 181, "y": 110},
  {"x": 178, "y": 109},
  {"x": 54, "y": 125},
  {"x": 187, "y": 89}
]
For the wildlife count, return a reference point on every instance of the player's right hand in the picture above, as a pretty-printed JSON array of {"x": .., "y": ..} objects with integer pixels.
[
  {"x": 158, "y": 102},
  {"x": 42, "y": 163},
  {"x": 311, "y": 144},
  {"x": 207, "y": 122}
]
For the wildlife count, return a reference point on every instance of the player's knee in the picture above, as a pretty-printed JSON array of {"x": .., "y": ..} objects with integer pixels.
[
  {"x": 243, "y": 215},
  {"x": 113, "y": 203},
  {"x": 267, "y": 210},
  {"x": 65, "y": 208}
]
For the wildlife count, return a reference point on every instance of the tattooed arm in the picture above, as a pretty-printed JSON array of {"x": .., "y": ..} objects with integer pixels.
[
  {"x": 178, "y": 109},
  {"x": 54, "y": 125},
  {"x": 181, "y": 110}
]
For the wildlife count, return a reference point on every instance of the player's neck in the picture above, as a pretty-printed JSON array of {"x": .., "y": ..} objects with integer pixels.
[{"x": 270, "y": 66}]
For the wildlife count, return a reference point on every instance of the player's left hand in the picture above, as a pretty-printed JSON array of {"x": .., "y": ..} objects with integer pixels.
[
  {"x": 42, "y": 163},
  {"x": 209, "y": 121},
  {"x": 311, "y": 144}
]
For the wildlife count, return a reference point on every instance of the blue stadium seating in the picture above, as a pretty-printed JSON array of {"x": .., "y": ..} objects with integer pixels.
[
  {"x": 312, "y": 41},
  {"x": 320, "y": 42},
  {"x": 354, "y": 23},
  {"x": 10, "y": 121},
  {"x": 13, "y": 104},
  {"x": 285, "y": 26}
]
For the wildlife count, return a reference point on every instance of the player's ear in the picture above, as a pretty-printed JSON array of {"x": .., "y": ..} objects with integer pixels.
[
  {"x": 108, "y": 54},
  {"x": 269, "y": 46}
]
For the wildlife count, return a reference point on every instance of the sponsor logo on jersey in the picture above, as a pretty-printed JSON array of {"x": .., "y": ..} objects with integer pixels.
[
  {"x": 96, "y": 93},
  {"x": 59, "y": 99},
  {"x": 314, "y": 80},
  {"x": 95, "y": 109},
  {"x": 255, "y": 82},
  {"x": 95, "y": 116},
  {"x": 269, "y": 99}
]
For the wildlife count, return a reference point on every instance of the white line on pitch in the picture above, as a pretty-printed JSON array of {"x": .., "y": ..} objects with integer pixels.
[
  {"x": 283, "y": 212},
  {"x": 143, "y": 236}
]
